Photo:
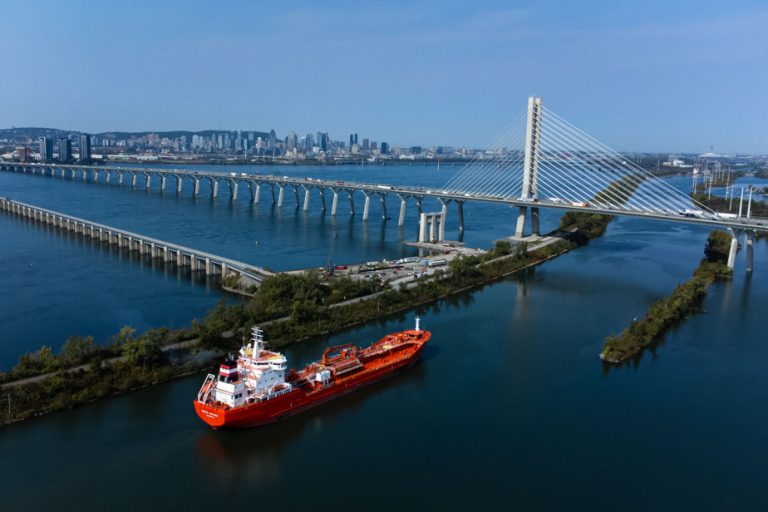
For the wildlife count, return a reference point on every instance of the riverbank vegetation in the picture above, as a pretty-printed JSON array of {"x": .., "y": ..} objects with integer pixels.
[{"x": 664, "y": 314}]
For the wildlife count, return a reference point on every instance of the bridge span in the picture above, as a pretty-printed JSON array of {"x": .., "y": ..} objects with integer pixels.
[{"x": 153, "y": 248}]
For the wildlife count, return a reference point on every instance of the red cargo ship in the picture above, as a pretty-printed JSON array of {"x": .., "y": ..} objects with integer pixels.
[{"x": 254, "y": 390}]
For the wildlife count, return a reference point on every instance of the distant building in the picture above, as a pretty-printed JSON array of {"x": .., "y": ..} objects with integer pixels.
[
  {"x": 85, "y": 148},
  {"x": 416, "y": 150},
  {"x": 366, "y": 144},
  {"x": 46, "y": 149},
  {"x": 384, "y": 148},
  {"x": 65, "y": 150},
  {"x": 22, "y": 153},
  {"x": 352, "y": 139},
  {"x": 374, "y": 145}
]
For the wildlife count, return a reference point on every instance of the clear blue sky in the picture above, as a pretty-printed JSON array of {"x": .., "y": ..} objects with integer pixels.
[{"x": 646, "y": 75}]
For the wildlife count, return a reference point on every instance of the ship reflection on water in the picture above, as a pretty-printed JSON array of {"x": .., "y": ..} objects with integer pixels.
[{"x": 256, "y": 454}]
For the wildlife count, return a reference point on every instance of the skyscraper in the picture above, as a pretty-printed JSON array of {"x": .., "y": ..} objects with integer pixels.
[
  {"x": 85, "y": 147},
  {"x": 46, "y": 149},
  {"x": 366, "y": 146},
  {"x": 384, "y": 148},
  {"x": 65, "y": 149}
]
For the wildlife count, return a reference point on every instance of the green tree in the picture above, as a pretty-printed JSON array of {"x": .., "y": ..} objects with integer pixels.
[
  {"x": 143, "y": 352},
  {"x": 77, "y": 349}
]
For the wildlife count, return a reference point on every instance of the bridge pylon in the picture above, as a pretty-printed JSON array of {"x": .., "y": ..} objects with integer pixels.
[{"x": 532, "y": 152}]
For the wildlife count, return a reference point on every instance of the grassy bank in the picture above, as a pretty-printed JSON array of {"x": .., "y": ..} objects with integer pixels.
[{"x": 668, "y": 312}]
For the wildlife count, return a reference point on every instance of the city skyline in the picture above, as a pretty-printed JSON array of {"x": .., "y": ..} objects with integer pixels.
[{"x": 677, "y": 78}]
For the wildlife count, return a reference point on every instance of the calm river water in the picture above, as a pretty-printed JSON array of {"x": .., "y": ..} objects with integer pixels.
[{"x": 510, "y": 408}]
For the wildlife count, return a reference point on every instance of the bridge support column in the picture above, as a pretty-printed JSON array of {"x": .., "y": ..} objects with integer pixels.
[
  {"x": 179, "y": 184},
  {"x": 196, "y": 191},
  {"x": 224, "y": 270},
  {"x": 531, "y": 166},
  {"x": 351, "y": 201},
  {"x": 233, "y": 186},
  {"x": 109, "y": 177},
  {"x": 255, "y": 189},
  {"x": 280, "y": 195},
  {"x": 119, "y": 178},
  {"x": 750, "y": 242},
  {"x": 383, "y": 199},
  {"x": 166, "y": 258},
  {"x": 296, "y": 195},
  {"x": 403, "y": 206},
  {"x": 443, "y": 217},
  {"x": 535, "y": 229},
  {"x": 520, "y": 228},
  {"x": 322, "y": 198},
  {"x": 208, "y": 267},
  {"x": 334, "y": 203},
  {"x": 366, "y": 205},
  {"x": 460, "y": 212},
  {"x": 179, "y": 258},
  {"x": 133, "y": 180},
  {"x": 422, "y": 227},
  {"x": 214, "y": 188},
  {"x": 162, "y": 182},
  {"x": 733, "y": 249},
  {"x": 306, "y": 199},
  {"x": 149, "y": 181}
]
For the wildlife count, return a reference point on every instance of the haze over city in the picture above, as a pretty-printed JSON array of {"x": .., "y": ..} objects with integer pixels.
[{"x": 650, "y": 77}]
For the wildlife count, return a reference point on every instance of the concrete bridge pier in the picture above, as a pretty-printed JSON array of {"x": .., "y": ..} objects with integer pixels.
[
  {"x": 520, "y": 228},
  {"x": 214, "y": 188},
  {"x": 750, "y": 242},
  {"x": 233, "y": 187},
  {"x": 255, "y": 189},
  {"x": 306, "y": 199},
  {"x": 367, "y": 205},
  {"x": 148, "y": 181},
  {"x": 383, "y": 199},
  {"x": 85, "y": 174},
  {"x": 108, "y": 178},
  {"x": 443, "y": 217},
  {"x": 460, "y": 212},
  {"x": 162, "y": 182},
  {"x": 351, "y": 201},
  {"x": 119, "y": 178},
  {"x": 322, "y": 198},
  {"x": 296, "y": 195},
  {"x": 224, "y": 270},
  {"x": 208, "y": 267},
  {"x": 535, "y": 227},
  {"x": 179, "y": 184},
  {"x": 196, "y": 188},
  {"x": 280, "y": 195},
  {"x": 403, "y": 206},
  {"x": 334, "y": 202},
  {"x": 133, "y": 179},
  {"x": 733, "y": 249},
  {"x": 179, "y": 259}
]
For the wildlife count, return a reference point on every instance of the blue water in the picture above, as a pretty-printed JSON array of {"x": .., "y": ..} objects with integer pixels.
[{"x": 510, "y": 409}]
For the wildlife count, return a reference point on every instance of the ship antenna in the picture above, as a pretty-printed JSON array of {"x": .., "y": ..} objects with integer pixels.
[{"x": 418, "y": 322}]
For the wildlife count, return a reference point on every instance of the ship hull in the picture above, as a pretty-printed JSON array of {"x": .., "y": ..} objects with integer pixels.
[{"x": 297, "y": 400}]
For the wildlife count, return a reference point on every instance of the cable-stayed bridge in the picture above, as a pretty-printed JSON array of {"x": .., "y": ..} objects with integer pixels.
[{"x": 538, "y": 161}]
